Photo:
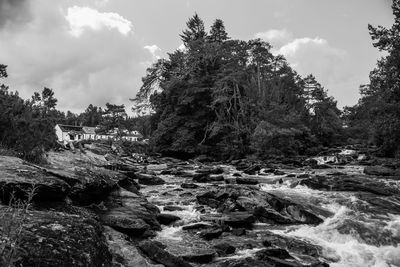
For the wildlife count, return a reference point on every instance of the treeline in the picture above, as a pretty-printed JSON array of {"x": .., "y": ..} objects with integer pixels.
[
  {"x": 376, "y": 118},
  {"x": 27, "y": 126},
  {"x": 230, "y": 98}
]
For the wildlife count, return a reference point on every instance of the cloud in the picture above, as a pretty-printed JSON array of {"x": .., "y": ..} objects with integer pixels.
[
  {"x": 14, "y": 12},
  {"x": 98, "y": 67},
  {"x": 153, "y": 49},
  {"x": 275, "y": 37},
  {"x": 81, "y": 18},
  {"x": 317, "y": 56}
]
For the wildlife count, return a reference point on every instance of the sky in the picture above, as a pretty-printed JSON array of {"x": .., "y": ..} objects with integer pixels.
[{"x": 97, "y": 51}]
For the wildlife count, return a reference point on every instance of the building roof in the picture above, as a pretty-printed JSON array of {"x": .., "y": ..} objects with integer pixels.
[
  {"x": 71, "y": 128},
  {"x": 89, "y": 130}
]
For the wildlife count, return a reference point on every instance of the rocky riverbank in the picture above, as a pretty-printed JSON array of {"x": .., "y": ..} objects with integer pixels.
[{"x": 106, "y": 208}]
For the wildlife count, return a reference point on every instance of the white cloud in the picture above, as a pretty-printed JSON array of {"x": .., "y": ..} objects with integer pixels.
[
  {"x": 274, "y": 36},
  {"x": 81, "y": 18},
  {"x": 315, "y": 55},
  {"x": 153, "y": 49}
]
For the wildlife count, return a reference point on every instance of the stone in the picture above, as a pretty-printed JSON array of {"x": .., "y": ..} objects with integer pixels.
[
  {"x": 167, "y": 219},
  {"x": 246, "y": 180},
  {"x": 147, "y": 179},
  {"x": 379, "y": 171},
  {"x": 173, "y": 208},
  {"x": 197, "y": 226},
  {"x": 130, "y": 225},
  {"x": 211, "y": 233},
  {"x": 217, "y": 170},
  {"x": 224, "y": 249},
  {"x": 189, "y": 186},
  {"x": 160, "y": 255},
  {"x": 18, "y": 177},
  {"x": 202, "y": 256},
  {"x": 124, "y": 253},
  {"x": 59, "y": 239},
  {"x": 207, "y": 178}
]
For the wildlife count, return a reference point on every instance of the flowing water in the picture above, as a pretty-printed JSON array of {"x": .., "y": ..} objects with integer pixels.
[{"x": 355, "y": 232}]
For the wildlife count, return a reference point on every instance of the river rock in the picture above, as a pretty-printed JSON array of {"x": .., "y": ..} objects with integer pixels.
[
  {"x": 202, "y": 256},
  {"x": 124, "y": 252},
  {"x": 122, "y": 222},
  {"x": 167, "y": 219},
  {"x": 244, "y": 198},
  {"x": 59, "y": 239},
  {"x": 211, "y": 233},
  {"x": 207, "y": 178},
  {"x": 158, "y": 254},
  {"x": 217, "y": 170},
  {"x": 244, "y": 262},
  {"x": 197, "y": 226},
  {"x": 224, "y": 249},
  {"x": 173, "y": 208},
  {"x": 246, "y": 180},
  {"x": 349, "y": 183},
  {"x": 147, "y": 179},
  {"x": 189, "y": 185},
  {"x": 379, "y": 171},
  {"x": 19, "y": 177}
]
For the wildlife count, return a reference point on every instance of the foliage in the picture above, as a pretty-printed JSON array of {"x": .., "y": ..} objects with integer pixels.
[
  {"x": 222, "y": 97},
  {"x": 379, "y": 107}
]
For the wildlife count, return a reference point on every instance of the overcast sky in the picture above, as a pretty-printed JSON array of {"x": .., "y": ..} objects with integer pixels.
[{"x": 96, "y": 51}]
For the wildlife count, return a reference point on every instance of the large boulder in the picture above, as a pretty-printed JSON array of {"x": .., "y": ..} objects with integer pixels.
[
  {"x": 57, "y": 239},
  {"x": 349, "y": 183},
  {"x": 233, "y": 198},
  {"x": 148, "y": 179},
  {"x": 379, "y": 171},
  {"x": 158, "y": 254},
  {"x": 124, "y": 252},
  {"x": 18, "y": 178},
  {"x": 129, "y": 213}
]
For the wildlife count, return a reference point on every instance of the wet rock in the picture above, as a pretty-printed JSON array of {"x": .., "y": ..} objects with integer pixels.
[
  {"x": 291, "y": 244},
  {"x": 379, "y": 171},
  {"x": 129, "y": 184},
  {"x": 19, "y": 177},
  {"x": 167, "y": 219},
  {"x": 204, "y": 159},
  {"x": 273, "y": 252},
  {"x": 266, "y": 215},
  {"x": 197, "y": 226},
  {"x": 211, "y": 233},
  {"x": 173, "y": 208},
  {"x": 120, "y": 221},
  {"x": 206, "y": 178},
  {"x": 158, "y": 254},
  {"x": 203, "y": 256},
  {"x": 210, "y": 171},
  {"x": 232, "y": 219},
  {"x": 244, "y": 262},
  {"x": 186, "y": 194},
  {"x": 278, "y": 172},
  {"x": 252, "y": 169},
  {"x": 60, "y": 239},
  {"x": 303, "y": 175},
  {"x": 189, "y": 186},
  {"x": 236, "y": 174},
  {"x": 349, "y": 183},
  {"x": 156, "y": 167},
  {"x": 246, "y": 180},
  {"x": 238, "y": 231},
  {"x": 124, "y": 253},
  {"x": 147, "y": 179},
  {"x": 246, "y": 198},
  {"x": 224, "y": 249},
  {"x": 129, "y": 213}
]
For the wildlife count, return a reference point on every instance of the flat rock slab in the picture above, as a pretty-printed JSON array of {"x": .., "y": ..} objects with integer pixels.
[
  {"x": 60, "y": 239},
  {"x": 20, "y": 177}
]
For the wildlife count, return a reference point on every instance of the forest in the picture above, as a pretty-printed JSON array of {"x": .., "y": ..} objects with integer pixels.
[{"x": 227, "y": 99}]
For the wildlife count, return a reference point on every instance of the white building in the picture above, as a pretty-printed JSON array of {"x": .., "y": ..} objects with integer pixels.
[{"x": 68, "y": 133}]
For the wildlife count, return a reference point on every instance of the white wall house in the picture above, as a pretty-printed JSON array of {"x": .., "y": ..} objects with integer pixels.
[{"x": 68, "y": 133}]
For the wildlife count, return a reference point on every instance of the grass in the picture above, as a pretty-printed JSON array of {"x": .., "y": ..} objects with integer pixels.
[{"x": 12, "y": 220}]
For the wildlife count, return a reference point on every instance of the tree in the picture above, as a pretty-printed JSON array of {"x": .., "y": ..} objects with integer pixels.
[
  {"x": 380, "y": 101},
  {"x": 217, "y": 32}
]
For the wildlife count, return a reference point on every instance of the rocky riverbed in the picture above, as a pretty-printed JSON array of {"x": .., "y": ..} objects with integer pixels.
[{"x": 103, "y": 208}]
